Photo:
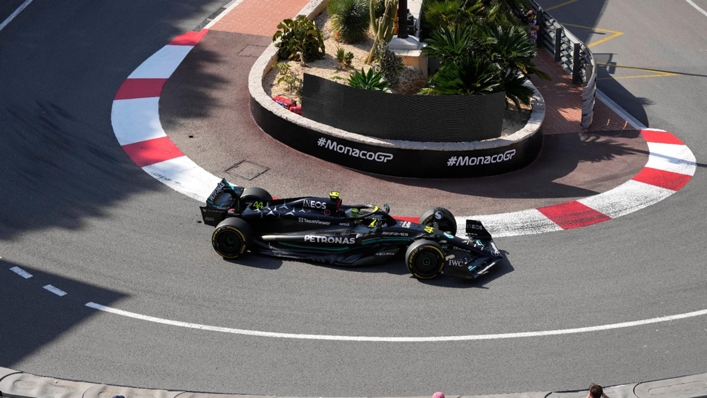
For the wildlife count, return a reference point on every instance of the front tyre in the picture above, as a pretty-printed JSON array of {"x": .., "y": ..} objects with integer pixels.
[
  {"x": 444, "y": 218},
  {"x": 425, "y": 259},
  {"x": 232, "y": 237}
]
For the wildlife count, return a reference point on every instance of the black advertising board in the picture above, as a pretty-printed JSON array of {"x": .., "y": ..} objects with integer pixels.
[
  {"x": 420, "y": 118},
  {"x": 398, "y": 162}
]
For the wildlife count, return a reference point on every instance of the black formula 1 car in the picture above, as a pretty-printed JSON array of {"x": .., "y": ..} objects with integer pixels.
[{"x": 322, "y": 229}]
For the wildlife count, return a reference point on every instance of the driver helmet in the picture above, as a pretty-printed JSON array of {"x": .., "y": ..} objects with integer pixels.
[{"x": 353, "y": 212}]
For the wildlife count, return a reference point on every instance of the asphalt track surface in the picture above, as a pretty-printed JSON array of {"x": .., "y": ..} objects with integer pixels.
[{"x": 79, "y": 215}]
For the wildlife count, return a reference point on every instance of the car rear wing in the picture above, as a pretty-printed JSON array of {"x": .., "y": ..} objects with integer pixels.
[
  {"x": 475, "y": 229},
  {"x": 223, "y": 197}
]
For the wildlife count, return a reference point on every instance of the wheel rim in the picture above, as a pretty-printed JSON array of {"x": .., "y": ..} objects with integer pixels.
[
  {"x": 427, "y": 262},
  {"x": 229, "y": 242}
]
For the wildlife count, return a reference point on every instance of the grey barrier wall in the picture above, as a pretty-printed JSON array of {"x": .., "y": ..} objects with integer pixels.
[
  {"x": 422, "y": 118},
  {"x": 574, "y": 56}
]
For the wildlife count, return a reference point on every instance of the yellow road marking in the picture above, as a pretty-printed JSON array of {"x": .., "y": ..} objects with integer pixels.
[
  {"x": 655, "y": 72},
  {"x": 614, "y": 33},
  {"x": 560, "y": 5}
]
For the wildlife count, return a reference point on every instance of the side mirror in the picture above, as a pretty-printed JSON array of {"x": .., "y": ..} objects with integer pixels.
[{"x": 386, "y": 207}]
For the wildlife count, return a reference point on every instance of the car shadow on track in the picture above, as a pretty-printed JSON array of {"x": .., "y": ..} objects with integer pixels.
[
  {"x": 257, "y": 261},
  {"x": 394, "y": 267}
]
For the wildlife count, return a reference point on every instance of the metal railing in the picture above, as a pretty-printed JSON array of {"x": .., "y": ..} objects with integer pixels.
[{"x": 573, "y": 55}]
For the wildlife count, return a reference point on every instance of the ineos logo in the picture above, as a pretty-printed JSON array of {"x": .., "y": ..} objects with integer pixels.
[{"x": 314, "y": 204}]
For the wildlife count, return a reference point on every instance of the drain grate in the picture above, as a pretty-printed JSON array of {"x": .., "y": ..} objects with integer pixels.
[{"x": 246, "y": 169}]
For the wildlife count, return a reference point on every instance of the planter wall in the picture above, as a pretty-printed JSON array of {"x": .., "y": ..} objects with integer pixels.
[
  {"x": 434, "y": 161},
  {"x": 454, "y": 118}
]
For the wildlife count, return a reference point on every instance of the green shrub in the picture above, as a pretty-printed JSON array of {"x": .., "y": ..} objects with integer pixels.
[
  {"x": 299, "y": 38},
  {"x": 344, "y": 58},
  {"x": 350, "y": 19},
  {"x": 293, "y": 83},
  {"x": 283, "y": 68},
  {"x": 368, "y": 80}
]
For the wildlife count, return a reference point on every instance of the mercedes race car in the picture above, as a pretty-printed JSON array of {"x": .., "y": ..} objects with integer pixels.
[{"x": 322, "y": 229}]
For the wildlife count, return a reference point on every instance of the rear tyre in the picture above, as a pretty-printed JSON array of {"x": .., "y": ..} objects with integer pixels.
[
  {"x": 255, "y": 194},
  {"x": 425, "y": 259},
  {"x": 232, "y": 237},
  {"x": 444, "y": 218}
]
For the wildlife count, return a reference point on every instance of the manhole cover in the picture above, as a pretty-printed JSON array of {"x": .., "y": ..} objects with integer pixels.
[
  {"x": 251, "y": 51},
  {"x": 246, "y": 169}
]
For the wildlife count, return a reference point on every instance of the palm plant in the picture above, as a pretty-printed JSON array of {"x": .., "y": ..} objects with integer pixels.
[
  {"x": 448, "y": 44},
  {"x": 438, "y": 14},
  {"x": 350, "y": 19},
  {"x": 467, "y": 76},
  {"x": 510, "y": 46},
  {"x": 513, "y": 83}
]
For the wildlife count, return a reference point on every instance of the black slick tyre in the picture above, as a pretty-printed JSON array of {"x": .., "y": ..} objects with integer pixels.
[
  {"x": 425, "y": 259},
  {"x": 255, "y": 194},
  {"x": 232, "y": 237},
  {"x": 444, "y": 218}
]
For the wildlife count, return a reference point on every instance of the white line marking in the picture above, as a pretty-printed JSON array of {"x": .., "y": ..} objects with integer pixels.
[
  {"x": 55, "y": 290},
  {"x": 19, "y": 271},
  {"x": 223, "y": 14},
  {"x": 690, "y": 2},
  {"x": 396, "y": 339},
  {"x": 14, "y": 14}
]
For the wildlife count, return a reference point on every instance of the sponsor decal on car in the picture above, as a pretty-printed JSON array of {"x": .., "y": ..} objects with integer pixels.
[
  {"x": 314, "y": 204},
  {"x": 216, "y": 191},
  {"x": 405, "y": 224},
  {"x": 458, "y": 262},
  {"x": 330, "y": 239},
  {"x": 448, "y": 235},
  {"x": 438, "y": 215},
  {"x": 481, "y": 160},
  {"x": 395, "y": 233},
  {"x": 357, "y": 153},
  {"x": 308, "y": 221}
]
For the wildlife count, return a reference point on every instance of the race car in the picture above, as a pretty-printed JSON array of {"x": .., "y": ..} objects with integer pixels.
[{"x": 323, "y": 229}]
